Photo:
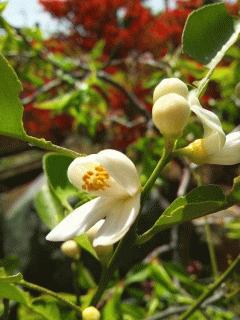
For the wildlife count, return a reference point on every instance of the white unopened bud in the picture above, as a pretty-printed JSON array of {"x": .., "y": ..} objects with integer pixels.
[
  {"x": 170, "y": 85},
  {"x": 170, "y": 114},
  {"x": 91, "y": 313},
  {"x": 71, "y": 249}
]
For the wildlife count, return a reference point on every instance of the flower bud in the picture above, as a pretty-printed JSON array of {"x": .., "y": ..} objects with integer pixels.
[
  {"x": 170, "y": 85},
  {"x": 170, "y": 114},
  {"x": 71, "y": 249},
  {"x": 91, "y": 313}
]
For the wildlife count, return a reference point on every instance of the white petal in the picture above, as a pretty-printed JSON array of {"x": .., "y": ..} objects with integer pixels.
[
  {"x": 118, "y": 222},
  {"x": 121, "y": 169},
  {"x": 230, "y": 153},
  {"x": 81, "y": 167},
  {"x": 92, "y": 232},
  {"x": 81, "y": 219},
  {"x": 214, "y": 137}
]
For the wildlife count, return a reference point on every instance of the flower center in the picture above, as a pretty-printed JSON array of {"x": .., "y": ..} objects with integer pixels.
[
  {"x": 196, "y": 152},
  {"x": 96, "y": 179}
]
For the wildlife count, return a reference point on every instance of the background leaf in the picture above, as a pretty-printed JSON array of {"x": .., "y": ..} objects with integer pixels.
[
  {"x": 48, "y": 207},
  {"x": 11, "y": 109},
  {"x": 55, "y": 167},
  {"x": 206, "y": 31}
]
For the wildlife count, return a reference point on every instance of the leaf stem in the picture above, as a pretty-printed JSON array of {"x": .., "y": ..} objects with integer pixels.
[
  {"x": 211, "y": 249},
  {"x": 161, "y": 164},
  {"x": 49, "y": 146},
  {"x": 197, "y": 304},
  {"x": 57, "y": 296}
]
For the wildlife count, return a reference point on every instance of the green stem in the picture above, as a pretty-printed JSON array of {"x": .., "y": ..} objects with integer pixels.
[
  {"x": 161, "y": 164},
  {"x": 108, "y": 272},
  {"x": 197, "y": 304},
  {"x": 43, "y": 290},
  {"x": 211, "y": 250},
  {"x": 75, "y": 272},
  {"x": 49, "y": 146}
]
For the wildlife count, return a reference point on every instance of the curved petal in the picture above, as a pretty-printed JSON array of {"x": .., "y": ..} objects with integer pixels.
[
  {"x": 81, "y": 219},
  {"x": 214, "y": 137},
  {"x": 88, "y": 174},
  {"x": 118, "y": 222},
  {"x": 230, "y": 153},
  {"x": 121, "y": 169}
]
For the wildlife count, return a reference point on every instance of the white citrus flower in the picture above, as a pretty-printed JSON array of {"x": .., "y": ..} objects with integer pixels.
[
  {"x": 215, "y": 147},
  {"x": 113, "y": 178},
  {"x": 171, "y": 109}
]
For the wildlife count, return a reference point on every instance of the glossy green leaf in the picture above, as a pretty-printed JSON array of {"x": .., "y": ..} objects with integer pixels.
[
  {"x": 48, "y": 207},
  {"x": 55, "y": 167},
  {"x": 197, "y": 203},
  {"x": 11, "y": 109},
  {"x": 85, "y": 244},
  {"x": 206, "y": 31}
]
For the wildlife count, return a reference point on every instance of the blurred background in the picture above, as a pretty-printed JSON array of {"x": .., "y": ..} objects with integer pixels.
[{"x": 88, "y": 70}]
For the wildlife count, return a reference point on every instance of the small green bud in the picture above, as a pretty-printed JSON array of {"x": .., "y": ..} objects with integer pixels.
[
  {"x": 71, "y": 249},
  {"x": 91, "y": 313}
]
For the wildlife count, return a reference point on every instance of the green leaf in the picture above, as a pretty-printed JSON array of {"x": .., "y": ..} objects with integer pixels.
[
  {"x": 85, "y": 279},
  {"x": 234, "y": 195},
  {"x": 161, "y": 276},
  {"x": 11, "y": 109},
  {"x": 97, "y": 50},
  {"x": 55, "y": 167},
  {"x": 206, "y": 31},
  {"x": 199, "y": 202},
  {"x": 59, "y": 103},
  {"x": 48, "y": 207},
  {"x": 85, "y": 244},
  {"x": 11, "y": 279},
  {"x": 3, "y": 6},
  {"x": 11, "y": 292}
]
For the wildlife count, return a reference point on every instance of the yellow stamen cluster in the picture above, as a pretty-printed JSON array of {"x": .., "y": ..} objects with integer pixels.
[{"x": 96, "y": 179}]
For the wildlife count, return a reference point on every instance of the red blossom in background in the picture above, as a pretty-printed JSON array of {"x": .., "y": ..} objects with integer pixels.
[{"x": 129, "y": 29}]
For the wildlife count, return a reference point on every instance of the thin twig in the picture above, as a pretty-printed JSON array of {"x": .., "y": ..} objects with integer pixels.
[
  {"x": 140, "y": 107},
  {"x": 203, "y": 297},
  {"x": 55, "y": 295}
]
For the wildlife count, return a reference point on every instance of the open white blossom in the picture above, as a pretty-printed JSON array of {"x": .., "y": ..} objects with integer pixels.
[
  {"x": 215, "y": 147},
  {"x": 113, "y": 179}
]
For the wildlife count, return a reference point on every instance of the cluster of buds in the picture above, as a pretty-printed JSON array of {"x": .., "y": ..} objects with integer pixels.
[{"x": 172, "y": 106}]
